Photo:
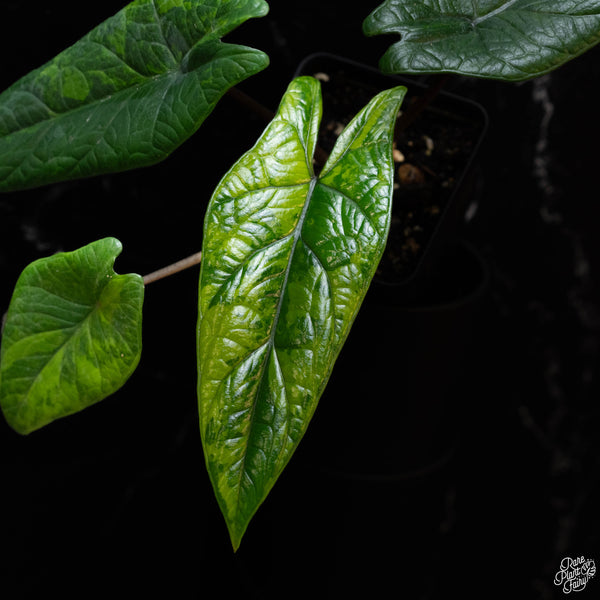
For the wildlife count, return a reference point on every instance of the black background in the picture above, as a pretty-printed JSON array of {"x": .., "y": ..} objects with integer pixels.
[{"x": 116, "y": 500}]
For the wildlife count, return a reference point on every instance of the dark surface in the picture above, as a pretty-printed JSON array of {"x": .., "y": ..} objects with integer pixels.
[{"x": 115, "y": 501}]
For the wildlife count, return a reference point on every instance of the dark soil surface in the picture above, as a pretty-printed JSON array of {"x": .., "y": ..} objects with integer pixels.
[{"x": 115, "y": 502}]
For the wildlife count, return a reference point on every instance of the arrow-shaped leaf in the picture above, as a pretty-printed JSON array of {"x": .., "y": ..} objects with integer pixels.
[
  {"x": 125, "y": 95},
  {"x": 72, "y": 335},
  {"x": 287, "y": 259},
  {"x": 500, "y": 39}
]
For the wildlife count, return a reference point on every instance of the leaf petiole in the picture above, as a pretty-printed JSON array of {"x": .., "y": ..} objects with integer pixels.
[{"x": 180, "y": 265}]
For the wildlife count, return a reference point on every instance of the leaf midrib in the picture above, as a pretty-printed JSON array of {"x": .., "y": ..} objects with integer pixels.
[
  {"x": 507, "y": 6},
  {"x": 493, "y": 13},
  {"x": 271, "y": 340},
  {"x": 315, "y": 180}
]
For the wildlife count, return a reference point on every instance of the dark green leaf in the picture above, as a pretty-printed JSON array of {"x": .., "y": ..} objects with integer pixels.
[
  {"x": 125, "y": 95},
  {"x": 500, "y": 39},
  {"x": 73, "y": 335},
  {"x": 287, "y": 260}
]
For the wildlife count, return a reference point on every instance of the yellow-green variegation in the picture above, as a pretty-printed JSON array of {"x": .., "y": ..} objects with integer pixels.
[{"x": 288, "y": 257}]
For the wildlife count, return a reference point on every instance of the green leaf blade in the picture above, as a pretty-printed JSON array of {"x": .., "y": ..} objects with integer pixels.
[
  {"x": 72, "y": 335},
  {"x": 512, "y": 40},
  {"x": 127, "y": 94},
  {"x": 287, "y": 260}
]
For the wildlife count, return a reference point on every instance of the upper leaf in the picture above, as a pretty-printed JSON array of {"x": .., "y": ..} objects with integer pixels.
[
  {"x": 500, "y": 39},
  {"x": 72, "y": 335},
  {"x": 125, "y": 95},
  {"x": 287, "y": 260}
]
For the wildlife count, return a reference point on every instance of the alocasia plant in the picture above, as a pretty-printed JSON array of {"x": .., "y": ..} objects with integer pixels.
[
  {"x": 288, "y": 258},
  {"x": 125, "y": 95},
  {"x": 502, "y": 39},
  {"x": 288, "y": 253}
]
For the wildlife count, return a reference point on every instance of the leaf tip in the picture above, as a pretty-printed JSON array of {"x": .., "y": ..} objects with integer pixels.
[
  {"x": 114, "y": 244},
  {"x": 262, "y": 9},
  {"x": 236, "y": 533}
]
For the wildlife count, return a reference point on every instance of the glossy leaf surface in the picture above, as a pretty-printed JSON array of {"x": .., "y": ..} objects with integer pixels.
[
  {"x": 125, "y": 95},
  {"x": 287, "y": 259},
  {"x": 500, "y": 39},
  {"x": 72, "y": 335}
]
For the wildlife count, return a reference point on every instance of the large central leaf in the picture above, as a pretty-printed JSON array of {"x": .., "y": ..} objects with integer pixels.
[
  {"x": 502, "y": 39},
  {"x": 287, "y": 260},
  {"x": 125, "y": 95}
]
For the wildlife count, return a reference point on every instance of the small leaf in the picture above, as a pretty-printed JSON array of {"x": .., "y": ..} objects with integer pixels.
[
  {"x": 287, "y": 260},
  {"x": 501, "y": 39},
  {"x": 125, "y": 95},
  {"x": 73, "y": 335}
]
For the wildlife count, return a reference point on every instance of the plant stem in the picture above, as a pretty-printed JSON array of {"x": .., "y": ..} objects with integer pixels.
[
  {"x": 422, "y": 102},
  {"x": 180, "y": 265}
]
